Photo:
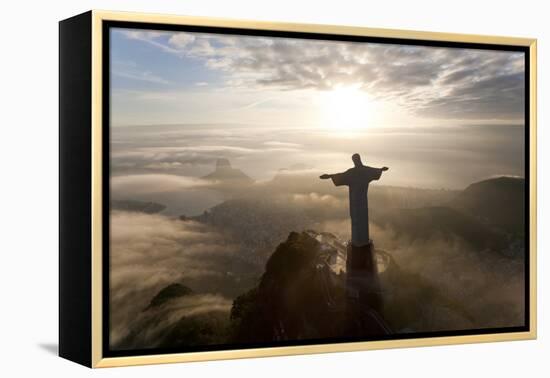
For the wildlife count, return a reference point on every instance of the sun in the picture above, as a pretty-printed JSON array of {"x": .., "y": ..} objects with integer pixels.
[{"x": 346, "y": 108}]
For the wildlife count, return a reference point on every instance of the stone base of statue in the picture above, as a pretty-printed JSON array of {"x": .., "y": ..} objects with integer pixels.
[
  {"x": 364, "y": 299},
  {"x": 362, "y": 275}
]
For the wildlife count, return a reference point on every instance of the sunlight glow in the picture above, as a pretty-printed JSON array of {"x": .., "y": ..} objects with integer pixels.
[{"x": 346, "y": 108}]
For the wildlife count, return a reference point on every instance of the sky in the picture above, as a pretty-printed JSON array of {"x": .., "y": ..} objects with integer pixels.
[
  {"x": 161, "y": 77},
  {"x": 438, "y": 117}
]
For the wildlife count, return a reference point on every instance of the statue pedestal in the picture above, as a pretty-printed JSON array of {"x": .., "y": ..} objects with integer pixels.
[
  {"x": 362, "y": 284},
  {"x": 361, "y": 259},
  {"x": 361, "y": 271}
]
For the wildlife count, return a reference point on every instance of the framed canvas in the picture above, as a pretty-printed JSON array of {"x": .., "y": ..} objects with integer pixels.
[{"x": 236, "y": 189}]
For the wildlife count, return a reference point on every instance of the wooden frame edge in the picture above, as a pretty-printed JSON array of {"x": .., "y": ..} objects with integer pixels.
[
  {"x": 533, "y": 186},
  {"x": 97, "y": 209},
  {"x": 98, "y": 16},
  {"x": 310, "y": 28},
  {"x": 309, "y": 349}
]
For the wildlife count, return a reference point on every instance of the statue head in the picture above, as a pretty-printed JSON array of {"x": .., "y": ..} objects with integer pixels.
[{"x": 357, "y": 160}]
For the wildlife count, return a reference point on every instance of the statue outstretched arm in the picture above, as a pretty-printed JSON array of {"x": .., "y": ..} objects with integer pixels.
[
  {"x": 337, "y": 178},
  {"x": 374, "y": 173}
]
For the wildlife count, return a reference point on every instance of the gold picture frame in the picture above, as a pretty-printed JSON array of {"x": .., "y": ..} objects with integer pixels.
[{"x": 90, "y": 329}]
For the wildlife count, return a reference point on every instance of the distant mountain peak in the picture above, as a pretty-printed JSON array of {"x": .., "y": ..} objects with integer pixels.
[
  {"x": 499, "y": 201},
  {"x": 137, "y": 206},
  {"x": 498, "y": 180},
  {"x": 224, "y": 172},
  {"x": 223, "y": 163}
]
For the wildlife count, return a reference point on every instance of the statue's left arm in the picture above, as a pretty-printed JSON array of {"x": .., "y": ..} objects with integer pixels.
[{"x": 377, "y": 172}]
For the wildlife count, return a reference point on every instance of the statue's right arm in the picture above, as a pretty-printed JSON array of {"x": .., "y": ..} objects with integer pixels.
[{"x": 325, "y": 177}]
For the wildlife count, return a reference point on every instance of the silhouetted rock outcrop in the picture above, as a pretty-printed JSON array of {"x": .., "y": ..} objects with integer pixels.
[
  {"x": 176, "y": 317},
  {"x": 172, "y": 291},
  {"x": 298, "y": 297},
  {"x": 302, "y": 295}
]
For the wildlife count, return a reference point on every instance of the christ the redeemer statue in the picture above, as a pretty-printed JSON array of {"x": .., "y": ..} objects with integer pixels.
[
  {"x": 364, "y": 296},
  {"x": 358, "y": 179}
]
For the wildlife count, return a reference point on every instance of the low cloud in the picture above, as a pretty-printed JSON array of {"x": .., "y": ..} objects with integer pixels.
[
  {"x": 315, "y": 200},
  {"x": 486, "y": 288},
  {"x": 149, "y": 252},
  {"x": 489, "y": 286},
  {"x": 149, "y": 329},
  {"x": 275, "y": 143},
  {"x": 132, "y": 185},
  {"x": 161, "y": 164}
]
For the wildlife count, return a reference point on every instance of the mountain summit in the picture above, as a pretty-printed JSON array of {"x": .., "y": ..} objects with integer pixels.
[
  {"x": 498, "y": 201},
  {"x": 225, "y": 173}
]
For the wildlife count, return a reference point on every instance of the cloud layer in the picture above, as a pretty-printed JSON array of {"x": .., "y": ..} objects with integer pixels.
[
  {"x": 149, "y": 252},
  {"x": 165, "y": 163},
  {"x": 453, "y": 83}
]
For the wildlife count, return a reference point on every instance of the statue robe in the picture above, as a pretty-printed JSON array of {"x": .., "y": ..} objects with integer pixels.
[{"x": 358, "y": 180}]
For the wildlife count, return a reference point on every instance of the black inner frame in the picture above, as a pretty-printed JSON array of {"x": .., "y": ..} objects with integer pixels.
[{"x": 106, "y": 92}]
